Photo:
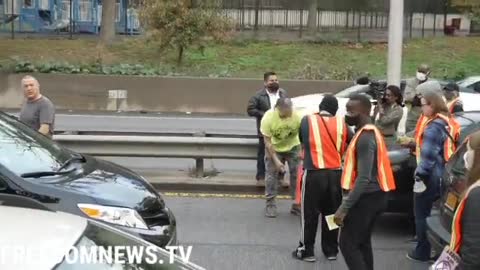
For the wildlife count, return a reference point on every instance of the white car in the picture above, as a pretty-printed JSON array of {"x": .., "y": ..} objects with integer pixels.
[
  {"x": 47, "y": 236},
  {"x": 309, "y": 103},
  {"x": 471, "y": 83}
]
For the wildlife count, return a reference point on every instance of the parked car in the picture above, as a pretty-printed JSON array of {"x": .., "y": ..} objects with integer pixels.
[
  {"x": 35, "y": 230},
  {"x": 453, "y": 185},
  {"x": 34, "y": 166},
  {"x": 471, "y": 83},
  {"x": 309, "y": 103}
]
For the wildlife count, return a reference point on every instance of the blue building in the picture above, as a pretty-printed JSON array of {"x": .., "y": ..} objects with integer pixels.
[{"x": 36, "y": 16}]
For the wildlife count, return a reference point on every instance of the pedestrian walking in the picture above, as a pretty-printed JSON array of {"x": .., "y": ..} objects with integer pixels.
[
  {"x": 368, "y": 176},
  {"x": 37, "y": 112},
  {"x": 452, "y": 95},
  {"x": 258, "y": 105},
  {"x": 324, "y": 138},
  {"x": 280, "y": 127},
  {"x": 435, "y": 141},
  {"x": 390, "y": 112},
  {"x": 465, "y": 239}
]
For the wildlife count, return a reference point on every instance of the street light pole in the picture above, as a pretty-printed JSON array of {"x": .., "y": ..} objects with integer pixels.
[{"x": 395, "y": 42}]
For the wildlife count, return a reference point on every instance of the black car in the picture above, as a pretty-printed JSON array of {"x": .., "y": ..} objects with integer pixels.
[
  {"x": 453, "y": 185},
  {"x": 34, "y": 166},
  {"x": 404, "y": 165}
]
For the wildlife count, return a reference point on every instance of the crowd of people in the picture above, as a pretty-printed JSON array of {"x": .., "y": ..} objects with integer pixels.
[{"x": 339, "y": 164}]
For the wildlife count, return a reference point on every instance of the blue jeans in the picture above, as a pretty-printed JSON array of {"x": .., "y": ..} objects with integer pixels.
[{"x": 423, "y": 203}]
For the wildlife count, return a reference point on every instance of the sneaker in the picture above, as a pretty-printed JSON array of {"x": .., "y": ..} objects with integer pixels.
[
  {"x": 419, "y": 186},
  {"x": 301, "y": 254},
  {"x": 332, "y": 257},
  {"x": 295, "y": 210},
  {"x": 411, "y": 256},
  {"x": 271, "y": 211}
]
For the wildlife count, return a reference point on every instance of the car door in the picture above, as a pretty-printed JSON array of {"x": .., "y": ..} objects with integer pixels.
[{"x": 453, "y": 185}]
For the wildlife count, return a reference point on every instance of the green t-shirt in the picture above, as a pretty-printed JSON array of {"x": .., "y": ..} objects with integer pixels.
[{"x": 282, "y": 131}]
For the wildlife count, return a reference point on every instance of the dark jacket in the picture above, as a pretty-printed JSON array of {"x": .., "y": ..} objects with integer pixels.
[
  {"x": 470, "y": 249},
  {"x": 260, "y": 103}
]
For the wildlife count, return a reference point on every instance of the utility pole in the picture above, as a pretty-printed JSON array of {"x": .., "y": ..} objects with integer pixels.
[{"x": 395, "y": 42}]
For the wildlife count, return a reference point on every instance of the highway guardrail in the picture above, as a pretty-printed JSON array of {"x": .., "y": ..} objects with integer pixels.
[{"x": 198, "y": 148}]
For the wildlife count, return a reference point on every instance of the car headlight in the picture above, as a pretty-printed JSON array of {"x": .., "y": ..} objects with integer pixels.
[{"x": 117, "y": 215}]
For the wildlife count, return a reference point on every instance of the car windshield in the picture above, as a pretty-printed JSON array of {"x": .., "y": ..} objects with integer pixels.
[
  {"x": 356, "y": 89},
  {"x": 23, "y": 150},
  {"x": 99, "y": 238}
]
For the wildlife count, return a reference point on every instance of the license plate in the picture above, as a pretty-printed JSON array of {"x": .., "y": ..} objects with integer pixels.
[{"x": 452, "y": 201}]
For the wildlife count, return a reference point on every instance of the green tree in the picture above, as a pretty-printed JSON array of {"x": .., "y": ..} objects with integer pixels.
[
  {"x": 183, "y": 23},
  {"x": 470, "y": 7}
]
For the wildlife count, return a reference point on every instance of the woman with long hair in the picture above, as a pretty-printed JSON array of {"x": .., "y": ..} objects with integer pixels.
[
  {"x": 390, "y": 112},
  {"x": 431, "y": 137},
  {"x": 466, "y": 222}
]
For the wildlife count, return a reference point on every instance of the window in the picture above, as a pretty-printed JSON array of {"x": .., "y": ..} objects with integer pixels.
[
  {"x": 28, "y": 3},
  {"x": 24, "y": 150},
  {"x": 457, "y": 164}
]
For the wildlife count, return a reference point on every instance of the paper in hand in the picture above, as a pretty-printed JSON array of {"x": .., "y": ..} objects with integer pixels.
[{"x": 331, "y": 224}]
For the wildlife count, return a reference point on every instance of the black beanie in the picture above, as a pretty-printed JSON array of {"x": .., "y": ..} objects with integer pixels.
[{"x": 330, "y": 104}]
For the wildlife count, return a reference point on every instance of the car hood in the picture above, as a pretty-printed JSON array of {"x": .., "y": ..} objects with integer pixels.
[
  {"x": 308, "y": 104},
  {"x": 113, "y": 185}
]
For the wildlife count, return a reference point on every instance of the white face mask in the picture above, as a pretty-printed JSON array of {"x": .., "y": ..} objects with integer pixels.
[
  {"x": 421, "y": 76},
  {"x": 468, "y": 159}
]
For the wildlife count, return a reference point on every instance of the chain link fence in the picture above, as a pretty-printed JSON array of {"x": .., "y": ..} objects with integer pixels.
[{"x": 330, "y": 20}]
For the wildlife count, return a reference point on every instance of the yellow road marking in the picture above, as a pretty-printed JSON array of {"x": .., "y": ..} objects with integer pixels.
[{"x": 221, "y": 195}]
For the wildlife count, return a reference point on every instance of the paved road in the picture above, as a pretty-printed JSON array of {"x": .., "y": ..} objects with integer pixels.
[{"x": 234, "y": 234}]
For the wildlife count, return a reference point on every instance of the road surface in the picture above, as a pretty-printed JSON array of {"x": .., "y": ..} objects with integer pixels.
[{"x": 235, "y": 234}]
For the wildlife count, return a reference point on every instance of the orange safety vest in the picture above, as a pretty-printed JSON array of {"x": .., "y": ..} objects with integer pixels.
[
  {"x": 385, "y": 173},
  {"x": 327, "y": 141},
  {"x": 456, "y": 240},
  {"x": 449, "y": 146},
  {"x": 451, "y": 104}
]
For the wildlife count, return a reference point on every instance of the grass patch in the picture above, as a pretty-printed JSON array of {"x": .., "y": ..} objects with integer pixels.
[{"x": 450, "y": 57}]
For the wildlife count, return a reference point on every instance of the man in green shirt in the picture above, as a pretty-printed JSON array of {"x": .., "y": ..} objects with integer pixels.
[{"x": 280, "y": 129}]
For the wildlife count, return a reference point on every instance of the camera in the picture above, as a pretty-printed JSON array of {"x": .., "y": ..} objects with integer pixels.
[{"x": 377, "y": 91}]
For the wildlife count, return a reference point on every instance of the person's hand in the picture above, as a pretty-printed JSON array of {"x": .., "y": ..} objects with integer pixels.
[
  {"x": 339, "y": 217},
  {"x": 280, "y": 167}
]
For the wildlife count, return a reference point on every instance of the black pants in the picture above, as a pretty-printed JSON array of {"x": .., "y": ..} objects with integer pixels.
[
  {"x": 321, "y": 193},
  {"x": 356, "y": 234},
  {"x": 261, "y": 158}
]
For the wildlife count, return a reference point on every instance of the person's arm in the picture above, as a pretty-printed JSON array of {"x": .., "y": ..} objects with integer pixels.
[
  {"x": 47, "y": 116},
  {"x": 252, "y": 108},
  {"x": 431, "y": 148},
  {"x": 366, "y": 150},
  {"x": 393, "y": 117},
  {"x": 303, "y": 128}
]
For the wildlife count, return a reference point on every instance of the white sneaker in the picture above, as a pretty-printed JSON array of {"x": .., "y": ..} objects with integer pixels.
[{"x": 419, "y": 187}]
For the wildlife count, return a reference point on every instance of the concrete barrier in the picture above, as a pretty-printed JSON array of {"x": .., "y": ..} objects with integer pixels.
[{"x": 163, "y": 94}]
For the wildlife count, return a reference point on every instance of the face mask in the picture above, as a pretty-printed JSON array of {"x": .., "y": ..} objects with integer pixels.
[
  {"x": 421, "y": 76},
  {"x": 351, "y": 120},
  {"x": 468, "y": 159},
  {"x": 273, "y": 87}
]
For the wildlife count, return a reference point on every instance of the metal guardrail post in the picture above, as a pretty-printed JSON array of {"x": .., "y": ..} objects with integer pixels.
[{"x": 199, "y": 162}]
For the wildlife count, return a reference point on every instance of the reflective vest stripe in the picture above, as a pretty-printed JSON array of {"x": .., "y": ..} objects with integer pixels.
[
  {"x": 453, "y": 129},
  {"x": 385, "y": 173},
  {"x": 324, "y": 153},
  {"x": 452, "y": 104},
  {"x": 316, "y": 143},
  {"x": 456, "y": 239}
]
